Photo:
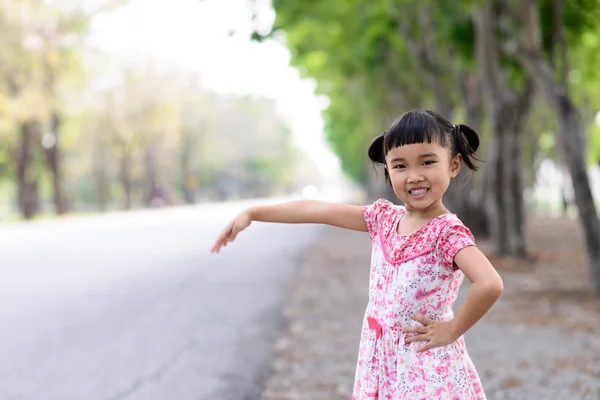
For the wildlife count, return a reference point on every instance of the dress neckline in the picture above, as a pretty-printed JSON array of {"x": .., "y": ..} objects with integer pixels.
[{"x": 402, "y": 213}]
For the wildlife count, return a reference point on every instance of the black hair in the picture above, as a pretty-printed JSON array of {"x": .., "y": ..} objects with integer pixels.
[{"x": 420, "y": 126}]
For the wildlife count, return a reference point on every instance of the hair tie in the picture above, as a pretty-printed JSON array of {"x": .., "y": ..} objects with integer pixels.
[{"x": 457, "y": 130}]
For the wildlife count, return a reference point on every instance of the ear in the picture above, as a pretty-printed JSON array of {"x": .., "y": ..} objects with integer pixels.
[{"x": 455, "y": 165}]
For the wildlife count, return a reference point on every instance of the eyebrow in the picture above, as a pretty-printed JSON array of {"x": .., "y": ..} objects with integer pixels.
[{"x": 421, "y": 156}]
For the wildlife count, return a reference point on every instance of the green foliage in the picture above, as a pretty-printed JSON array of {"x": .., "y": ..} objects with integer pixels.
[
  {"x": 341, "y": 45},
  {"x": 581, "y": 22},
  {"x": 362, "y": 61},
  {"x": 361, "y": 54},
  {"x": 594, "y": 144}
]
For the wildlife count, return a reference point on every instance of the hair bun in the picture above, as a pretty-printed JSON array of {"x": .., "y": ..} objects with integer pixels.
[
  {"x": 471, "y": 136},
  {"x": 376, "y": 149}
]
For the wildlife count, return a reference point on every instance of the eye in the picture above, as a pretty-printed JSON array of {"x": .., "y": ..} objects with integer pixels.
[
  {"x": 429, "y": 162},
  {"x": 399, "y": 166}
]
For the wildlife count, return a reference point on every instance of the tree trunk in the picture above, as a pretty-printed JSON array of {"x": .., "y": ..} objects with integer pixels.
[
  {"x": 151, "y": 188},
  {"x": 474, "y": 212},
  {"x": 515, "y": 192},
  {"x": 560, "y": 64},
  {"x": 508, "y": 118},
  {"x": 515, "y": 188},
  {"x": 565, "y": 202},
  {"x": 570, "y": 125},
  {"x": 125, "y": 177},
  {"x": 564, "y": 172},
  {"x": 532, "y": 59},
  {"x": 27, "y": 181},
  {"x": 487, "y": 187},
  {"x": 53, "y": 157},
  {"x": 509, "y": 109},
  {"x": 520, "y": 109},
  {"x": 188, "y": 188},
  {"x": 501, "y": 179},
  {"x": 100, "y": 173}
]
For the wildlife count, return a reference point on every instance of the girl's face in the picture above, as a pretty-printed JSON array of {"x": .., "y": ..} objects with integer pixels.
[{"x": 420, "y": 174}]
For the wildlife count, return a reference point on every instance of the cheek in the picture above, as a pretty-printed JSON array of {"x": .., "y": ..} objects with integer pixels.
[
  {"x": 441, "y": 177},
  {"x": 397, "y": 179}
]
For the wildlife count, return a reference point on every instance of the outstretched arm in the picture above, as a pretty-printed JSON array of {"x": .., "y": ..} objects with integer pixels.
[{"x": 295, "y": 212}]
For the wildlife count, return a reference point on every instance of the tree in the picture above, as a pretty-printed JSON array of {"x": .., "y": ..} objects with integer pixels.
[
  {"x": 530, "y": 53},
  {"x": 40, "y": 59},
  {"x": 432, "y": 46},
  {"x": 508, "y": 110}
]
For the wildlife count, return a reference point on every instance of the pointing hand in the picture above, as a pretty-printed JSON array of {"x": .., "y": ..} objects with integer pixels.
[{"x": 231, "y": 230}]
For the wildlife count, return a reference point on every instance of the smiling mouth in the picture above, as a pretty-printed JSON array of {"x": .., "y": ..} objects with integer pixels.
[{"x": 418, "y": 192}]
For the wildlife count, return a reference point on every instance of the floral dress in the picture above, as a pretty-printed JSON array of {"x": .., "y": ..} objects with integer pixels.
[{"x": 412, "y": 274}]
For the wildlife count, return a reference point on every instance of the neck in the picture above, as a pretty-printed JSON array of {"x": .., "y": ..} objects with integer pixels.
[{"x": 436, "y": 208}]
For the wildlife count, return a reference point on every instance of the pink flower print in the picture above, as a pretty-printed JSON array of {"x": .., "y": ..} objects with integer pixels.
[
  {"x": 419, "y": 388},
  {"x": 441, "y": 370},
  {"x": 412, "y": 376},
  {"x": 472, "y": 373}
]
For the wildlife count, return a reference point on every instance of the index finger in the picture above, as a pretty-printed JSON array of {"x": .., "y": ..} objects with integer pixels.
[
  {"x": 221, "y": 239},
  {"x": 421, "y": 318},
  {"x": 415, "y": 329}
]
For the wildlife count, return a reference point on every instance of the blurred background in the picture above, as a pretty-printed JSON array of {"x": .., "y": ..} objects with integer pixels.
[
  {"x": 111, "y": 105},
  {"x": 132, "y": 105}
]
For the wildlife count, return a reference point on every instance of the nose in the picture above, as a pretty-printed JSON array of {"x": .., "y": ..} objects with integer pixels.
[{"x": 414, "y": 178}]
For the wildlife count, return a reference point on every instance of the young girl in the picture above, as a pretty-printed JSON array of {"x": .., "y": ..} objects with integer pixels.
[{"x": 412, "y": 344}]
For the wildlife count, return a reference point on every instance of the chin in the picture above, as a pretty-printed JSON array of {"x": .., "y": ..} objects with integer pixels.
[{"x": 419, "y": 205}]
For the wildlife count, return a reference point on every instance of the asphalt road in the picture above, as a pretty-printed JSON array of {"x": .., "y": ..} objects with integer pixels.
[{"x": 133, "y": 306}]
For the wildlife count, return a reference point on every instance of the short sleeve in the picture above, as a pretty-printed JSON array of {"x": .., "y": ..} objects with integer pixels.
[
  {"x": 454, "y": 237},
  {"x": 374, "y": 215}
]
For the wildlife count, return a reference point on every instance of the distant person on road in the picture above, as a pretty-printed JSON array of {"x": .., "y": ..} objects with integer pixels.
[{"x": 412, "y": 344}]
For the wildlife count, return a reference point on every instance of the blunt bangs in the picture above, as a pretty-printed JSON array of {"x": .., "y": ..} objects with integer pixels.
[{"x": 414, "y": 127}]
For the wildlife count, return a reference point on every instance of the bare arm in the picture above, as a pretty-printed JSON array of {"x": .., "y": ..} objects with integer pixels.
[
  {"x": 312, "y": 211},
  {"x": 486, "y": 288},
  {"x": 295, "y": 212}
]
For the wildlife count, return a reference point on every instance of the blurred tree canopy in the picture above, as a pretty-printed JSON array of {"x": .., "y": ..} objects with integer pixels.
[
  {"x": 72, "y": 139},
  {"x": 522, "y": 73}
]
